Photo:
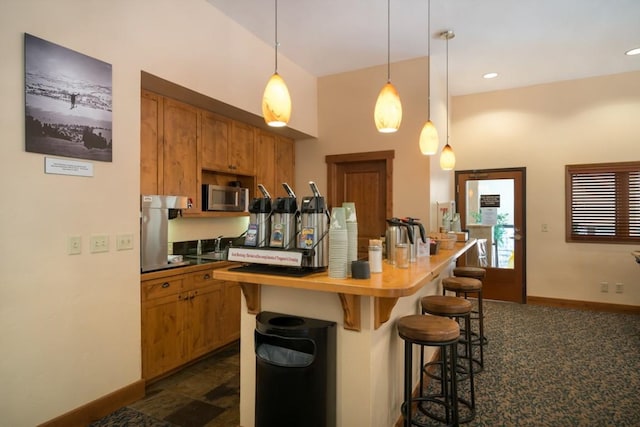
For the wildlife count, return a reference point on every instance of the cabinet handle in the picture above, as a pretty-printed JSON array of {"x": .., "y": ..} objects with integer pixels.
[
  {"x": 207, "y": 276},
  {"x": 165, "y": 285}
]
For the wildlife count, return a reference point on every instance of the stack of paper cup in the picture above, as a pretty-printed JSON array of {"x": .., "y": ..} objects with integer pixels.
[
  {"x": 352, "y": 233},
  {"x": 338, "y": 244}
]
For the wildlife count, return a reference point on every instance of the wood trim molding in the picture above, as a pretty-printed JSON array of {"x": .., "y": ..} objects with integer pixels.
[
  {"x": 99, "y": 408},
  {"x": 382, "y": 310},
  {"x": 252, "y": 294},
  {"x": 351, "y": 307},
  {"x": 584, "y": 305}
]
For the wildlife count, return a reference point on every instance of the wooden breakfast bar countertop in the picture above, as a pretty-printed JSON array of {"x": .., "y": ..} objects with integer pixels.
[{"x": 385, "y": 287}]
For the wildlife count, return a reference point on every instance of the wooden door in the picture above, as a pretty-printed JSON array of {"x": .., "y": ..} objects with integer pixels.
[
  {"x": 215, "y": 138},
  {"x": 366, "y": 180},
  {"x": 150, "y": 140},
  {"x": 496, "y": 197},
  {"x": 180, "y": 151}
]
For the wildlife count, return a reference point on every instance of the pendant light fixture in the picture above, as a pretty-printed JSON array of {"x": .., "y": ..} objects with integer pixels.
[
  {"x": 447, "y": 157},
  {"x": 276, "y": 102},
  {"x": 388, "y": 111},
  {"x": 429, "y": 140}
]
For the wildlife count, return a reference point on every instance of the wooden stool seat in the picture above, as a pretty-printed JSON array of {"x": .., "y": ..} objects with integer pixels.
[
  {"x": 434, "y": 329},
  {"x": 445, "y": 305},
  {"x": 461, "y": 284},
  {"x": 473, "y": 272}
]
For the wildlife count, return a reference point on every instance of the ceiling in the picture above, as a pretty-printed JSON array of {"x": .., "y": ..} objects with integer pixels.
[{"x": 526, "y": 41}]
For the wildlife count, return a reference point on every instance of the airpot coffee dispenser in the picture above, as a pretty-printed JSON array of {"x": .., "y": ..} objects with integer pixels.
[
  {"x": 259, "y": 231},
  {"x": 314, "y": 225},
  {"x": 417, "y": 227},
  {"x": 397, "y": 232},
  {"x": 284, "y": 220}
]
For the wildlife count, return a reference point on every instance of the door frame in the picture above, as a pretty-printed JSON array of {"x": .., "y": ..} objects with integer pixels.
[
  {"x": 522, "y": 231},
  {"x": 333, "y": 162}
]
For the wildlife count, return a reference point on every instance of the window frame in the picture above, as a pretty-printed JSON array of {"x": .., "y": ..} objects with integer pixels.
[{"x": 625, "y": 215}]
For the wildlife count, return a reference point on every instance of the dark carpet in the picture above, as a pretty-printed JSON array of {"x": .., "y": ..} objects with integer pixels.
[{"x": 544, "y": 366}]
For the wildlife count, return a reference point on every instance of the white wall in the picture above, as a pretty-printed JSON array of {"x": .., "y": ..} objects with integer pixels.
[
  {"x": 544, "y": 128},
  {"x": 71, "y": 324}
]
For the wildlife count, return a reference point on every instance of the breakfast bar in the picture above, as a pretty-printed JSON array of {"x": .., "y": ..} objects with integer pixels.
[{"x": 369, "y": 357}]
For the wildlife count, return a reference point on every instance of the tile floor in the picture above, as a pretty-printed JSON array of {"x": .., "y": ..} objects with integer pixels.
[{"x": 206, "y": 394}]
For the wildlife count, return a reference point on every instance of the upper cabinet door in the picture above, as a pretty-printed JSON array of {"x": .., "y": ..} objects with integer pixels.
[
  {"x": 285, "y": 166},
  {"x": 241, "y": 149},
  {"x": 180, "y": 151},
  {"x": 215, "y": 140},
  {"x": 150, "y": 140},
  {"x": 266, "y": 166}
]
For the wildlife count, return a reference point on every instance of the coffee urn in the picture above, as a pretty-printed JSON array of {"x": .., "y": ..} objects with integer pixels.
[
  {"x": 259, "y": 231},
  {"x": 398, "y": 232},
  {"x": 314, "y": 225},
  {"x": 284, "y": 220}
]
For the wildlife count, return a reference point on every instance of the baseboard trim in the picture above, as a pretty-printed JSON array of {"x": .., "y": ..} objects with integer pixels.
[
  {"x": 584, "y": 305},
  {"x": 99, "y": 408}
]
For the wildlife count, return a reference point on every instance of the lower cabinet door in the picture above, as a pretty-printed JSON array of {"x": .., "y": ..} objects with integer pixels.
[
  {"x": 163, "y": 341},
  {"x": 204, "y": 320}
]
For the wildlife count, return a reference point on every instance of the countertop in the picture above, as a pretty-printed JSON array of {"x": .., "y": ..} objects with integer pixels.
[{"x": 385, "y": 287}]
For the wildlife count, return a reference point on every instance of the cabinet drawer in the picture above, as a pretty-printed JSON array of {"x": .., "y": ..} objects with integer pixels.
[
  {"x": 199, "y": 279},
  {"x": 158, "y": 288}
]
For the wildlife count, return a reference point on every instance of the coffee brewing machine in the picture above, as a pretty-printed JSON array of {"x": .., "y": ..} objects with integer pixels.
[{"x": 282, "y": 238}]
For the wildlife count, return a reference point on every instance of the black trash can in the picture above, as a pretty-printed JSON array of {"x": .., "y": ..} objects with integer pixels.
[{"x": 295, "y": 371}]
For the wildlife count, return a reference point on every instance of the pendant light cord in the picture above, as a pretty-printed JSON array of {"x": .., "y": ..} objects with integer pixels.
[
  {"x": 448, "y": 90},
  {"x": 388, "y": 41},
  {"x": 429, "y": 59},
  {"x": 276, "y": 49}
]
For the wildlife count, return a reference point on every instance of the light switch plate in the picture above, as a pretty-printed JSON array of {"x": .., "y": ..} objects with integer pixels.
[
  {"x": 124, "y": 241},
  {"x": 74, "y": 245},
  {"x": 99, "y": 243}
]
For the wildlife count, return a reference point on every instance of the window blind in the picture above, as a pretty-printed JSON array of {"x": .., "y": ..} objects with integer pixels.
[{"x": 603, "y": 203}]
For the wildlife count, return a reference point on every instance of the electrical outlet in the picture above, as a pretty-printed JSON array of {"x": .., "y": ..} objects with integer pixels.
[
  {"x": 74, "y": 245},
  {"x": 604, "y": 286},
  {"x": 124, "y": 241},
  {"x": 99, "y": 243},
  {"x": 619, "y": 288}
]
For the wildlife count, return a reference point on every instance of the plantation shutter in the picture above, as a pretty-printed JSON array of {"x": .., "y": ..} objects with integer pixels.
[{"x": 603, "y": 203}]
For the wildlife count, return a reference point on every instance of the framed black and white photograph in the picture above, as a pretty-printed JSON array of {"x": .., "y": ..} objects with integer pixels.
[{"x": 67, "y": 102}]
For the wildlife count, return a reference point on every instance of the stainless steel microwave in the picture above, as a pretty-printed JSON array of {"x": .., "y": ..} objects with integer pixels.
[{"x": 223, "y": 198}]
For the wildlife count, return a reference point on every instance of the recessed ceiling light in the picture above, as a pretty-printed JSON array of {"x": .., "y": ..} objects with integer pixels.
[
  {"x": 490, "y": 76},
  {"x": 635, "y": 51}
]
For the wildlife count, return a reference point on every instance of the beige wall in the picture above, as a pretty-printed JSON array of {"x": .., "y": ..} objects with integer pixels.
[
  {"x": 345, "y": 121},
  {"x": 543, "y": 128},
  {"x": 71, "y": 324}
]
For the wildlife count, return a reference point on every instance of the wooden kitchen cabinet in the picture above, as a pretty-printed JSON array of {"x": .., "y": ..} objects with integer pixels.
[
  {"x": 150, "y": 135},
  {"x": 277, "y": 163},
  {"x": 169, "y": 148},
  {"x": 185, "y": 316},
  {"x": 227, "y": 145}
]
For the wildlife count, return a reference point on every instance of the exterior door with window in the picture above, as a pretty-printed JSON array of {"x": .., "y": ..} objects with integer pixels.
[{"x": 491, "y": 204}]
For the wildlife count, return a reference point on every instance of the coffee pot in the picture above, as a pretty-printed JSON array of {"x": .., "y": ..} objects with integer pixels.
[
  {"x": 397, "y": 232},
  {"x": 284, "y": 220},
  {"x": 416, "y": 228},
  {"x": 314, "y": 226},
  {"x": 259, "y": 231}
]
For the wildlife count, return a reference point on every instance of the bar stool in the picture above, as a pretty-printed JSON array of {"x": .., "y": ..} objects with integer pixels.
[
  {"x": 457, "y": 309},
  {"x": 463, "y": 286},
  {"x": 434, "y": 331},
  {"x": 474, "y": 273}
]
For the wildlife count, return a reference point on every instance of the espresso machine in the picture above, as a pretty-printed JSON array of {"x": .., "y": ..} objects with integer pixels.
[
  {"x": 284, "y": 220},
  {"x": 314, "y": 226},
  {"x": 259, "y": 231}
]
